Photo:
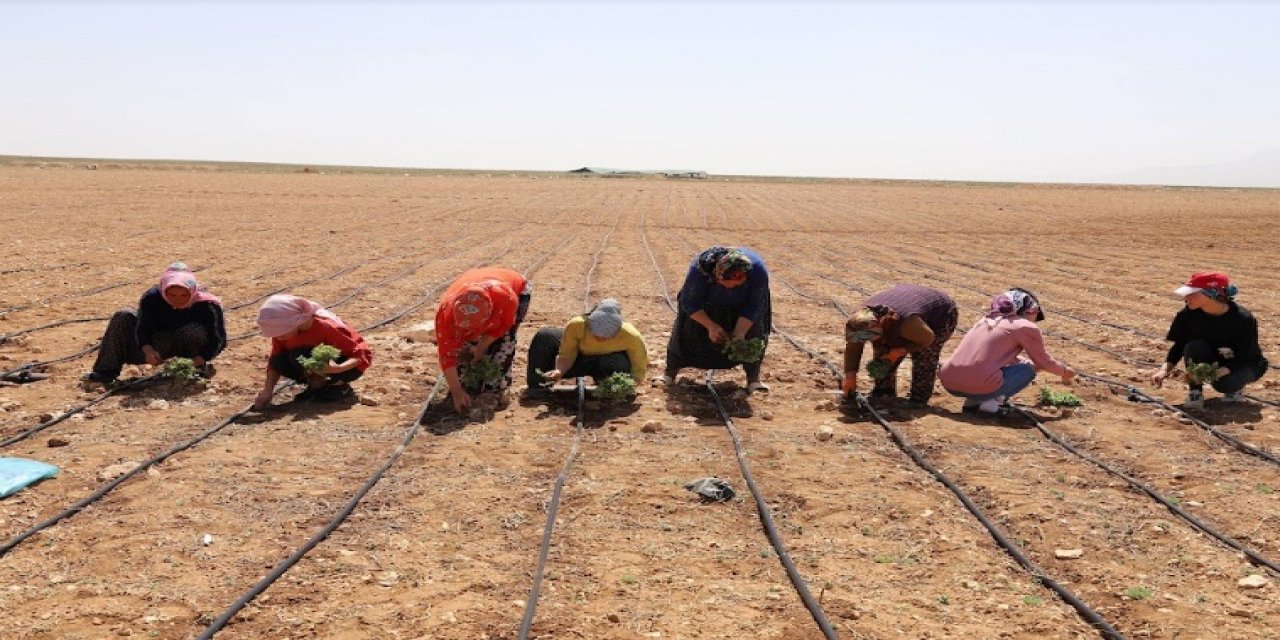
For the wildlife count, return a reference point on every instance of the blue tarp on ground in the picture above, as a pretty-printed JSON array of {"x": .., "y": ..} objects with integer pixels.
[{"x": 17, "y": 473}]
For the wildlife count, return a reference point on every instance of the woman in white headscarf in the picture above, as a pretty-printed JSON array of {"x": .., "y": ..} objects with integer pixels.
[
  {"x": 296, "y": 326},
  {"x": 986, "y": 369}
]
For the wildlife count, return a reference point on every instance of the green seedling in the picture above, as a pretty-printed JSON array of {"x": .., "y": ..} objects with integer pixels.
[
  {"x": 879, "y": 369},
  {"x": 618, "y": 387},
  {"x": 1052, "y": 398},
  {"x": 1202, "y": 372},
  {"x": 183, "y": 369},
  {"x": 748, "y": 350},
  {"x": 1034, "y": 601},
  {"x": 1139, "y": 593},
  {"x": 480, "y": 372},
  {"x": 321, "y": 356}
]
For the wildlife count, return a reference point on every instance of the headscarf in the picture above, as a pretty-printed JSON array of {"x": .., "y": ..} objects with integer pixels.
[
  {"x": 472, "y": 309},
  {"x": 606, "y": 319},
  {"x": 179, "y": 275},
  {"x": 281, "y": 314},
  {"x": 723, "y": 263},
  {"x": 1015, "y": 302},
  {"x": 869, "y": 323}
]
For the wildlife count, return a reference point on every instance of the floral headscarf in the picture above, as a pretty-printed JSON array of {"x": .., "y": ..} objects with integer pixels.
[
  {"x": 179, "y": 275},
  {"x": 869, "y": 323},
  {"x": 723, "y": 263},
  {"x": 1015, "y": 302}
]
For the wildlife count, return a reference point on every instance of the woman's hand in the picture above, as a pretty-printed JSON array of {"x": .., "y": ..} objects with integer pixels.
[
  {"x": 553, "y": 376},
  {"x": 1068, "y": 375},
  {"x": 263, "y": 400},
  {"x": 1223, "y": 372},
  {"x": 198, "y": 362},
  {"x": 151, "y": 355},
  {"x": 895, "y": 354},
  {"x": 461, "y": 400},
  {"x": 850, "y": 383},
  {"x": 1158, "y": 377},
  {"x": 717, "y": 334}
]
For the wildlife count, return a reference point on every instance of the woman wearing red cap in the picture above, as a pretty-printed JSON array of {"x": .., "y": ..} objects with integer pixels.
[
  {"x": 478, "y": 317},
  {"x": 1213, "y": 329}
]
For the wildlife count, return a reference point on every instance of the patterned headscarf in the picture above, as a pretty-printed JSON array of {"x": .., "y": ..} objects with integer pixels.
[
  {"x": 1015, "y": 302},
  {"x": 471, "y": 309},
  {"x": 179, "y": 275},
  {"x": 723, "y": 263},
  {"x": 868, "y": 323}
]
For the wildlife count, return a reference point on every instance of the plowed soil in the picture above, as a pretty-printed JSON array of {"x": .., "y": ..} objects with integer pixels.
[{"x": 445, "y": 545}]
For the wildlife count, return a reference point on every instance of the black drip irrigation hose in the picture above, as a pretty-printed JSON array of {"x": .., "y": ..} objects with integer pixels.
[
  {"x": 225, "y": 617},
  {"x": 762, "y": 507},
  {"x": 74, "y": 410},
  {"x": 1087, "y": 613},
  {"x": 1254, "y": 556},
  {"x": 766, "y": 518},
  {"x": 5, "y": 337},
  {"x": 31, "y": 366},
  {"x": 1139, "y": 395},
  {"x": 79, "y": 294},
  {"x": 531, "y": 605}
]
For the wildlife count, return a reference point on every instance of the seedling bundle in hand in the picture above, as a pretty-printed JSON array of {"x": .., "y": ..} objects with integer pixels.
[
  {"x": 480, "y": 372},
  {"x": 748, "y": 350},
  {"x": 879, "y": 369},
  {"x": 1202, "y": 372},
  {"x": 1051, "y": 398},
  {"x": 618, "y": 387},
  {"x": 320, "y": 358},
  {"x": 182, "y": 369}
]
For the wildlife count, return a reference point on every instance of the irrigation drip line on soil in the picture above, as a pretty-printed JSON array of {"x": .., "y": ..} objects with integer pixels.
[
  {"x": 1253, "y": 556},
  {"x": 109, "y": 486},
  {"x": 1087, "y": 613},
  {"x": 80, "y": 294},
  {"x": 544, "y": 548},
  {"x": 56, "y": 267},
  {"x": 762, "y": 508},
  {"x": 284, "y": 565}
]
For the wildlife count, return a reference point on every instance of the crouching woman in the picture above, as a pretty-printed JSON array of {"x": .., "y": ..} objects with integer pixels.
[
  {"x": 596, "y": 344},
  {"x": 296, "y": 326}
]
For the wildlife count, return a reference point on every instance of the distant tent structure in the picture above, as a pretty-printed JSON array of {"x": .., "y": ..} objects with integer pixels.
[{"x": 670, "y": 173}]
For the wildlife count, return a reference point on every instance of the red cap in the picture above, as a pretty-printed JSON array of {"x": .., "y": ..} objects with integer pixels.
[{"x": 1203, "y": 280}]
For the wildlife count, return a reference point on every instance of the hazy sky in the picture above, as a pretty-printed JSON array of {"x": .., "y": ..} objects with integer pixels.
[{"x": 1164, "y": 92}]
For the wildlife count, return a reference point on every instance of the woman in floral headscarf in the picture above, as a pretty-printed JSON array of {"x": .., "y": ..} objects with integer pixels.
[
  {"x": 985, "y": 369},
  {"x": 904, "y": 319},
  {"x": 477, "y": 318},
  {"x": 725, "y": 296},
  {"x": 175, "y": 318}
]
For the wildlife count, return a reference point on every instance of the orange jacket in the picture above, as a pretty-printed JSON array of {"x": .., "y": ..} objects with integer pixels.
[{"x": 503, "y": 288}]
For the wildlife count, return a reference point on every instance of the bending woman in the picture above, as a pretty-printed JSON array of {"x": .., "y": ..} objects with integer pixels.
[
  {"x": 597, "y": 344},
  {"x": 175, "y": 318},
  {"x": 478, "y": 317},
  {"x": 986, "y": 369},
  {"x": 725, "y": 296},
  {"x": 905, "y": 319},
  {"x": 296, "y": 326}
]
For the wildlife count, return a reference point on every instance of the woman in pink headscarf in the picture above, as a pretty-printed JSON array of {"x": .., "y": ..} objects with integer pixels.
[
  {"x": 477, "y": 318},
  {"x": 175, "y": 318},
  {"x": 296, "y": 326}
]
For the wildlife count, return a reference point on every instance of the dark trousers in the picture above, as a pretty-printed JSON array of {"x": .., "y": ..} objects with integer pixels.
[
  {"x": 924, "y": 364},
  {"x": 120, "y": 343},
  {"x": 286, "y": 364},
  {"x": 503, "y": 350},
  {"x": 546, "y": 346},
  {"x": 691, "y": 346},
  {"x": 1200, "y": 351}
]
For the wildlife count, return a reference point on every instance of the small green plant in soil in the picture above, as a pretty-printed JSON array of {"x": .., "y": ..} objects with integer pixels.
[
  {"x": 1034, "y": 601},
  {"x": 747, "y": 350},
  {"x": 879, "y": 369},
  {"x": 1202, "y": 372},
  {"x": 182, "y": 369},
  {"x": 618, "y": 387},
  {"x": 1139, "y": 593},
  {"x": 480, "y": 372},
  {"x": 321, "y": 356},
  {"x": 1050, "y": 397}
]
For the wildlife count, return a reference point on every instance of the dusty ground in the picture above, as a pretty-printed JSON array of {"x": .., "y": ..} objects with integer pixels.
[{"x": 444, "y": 546}]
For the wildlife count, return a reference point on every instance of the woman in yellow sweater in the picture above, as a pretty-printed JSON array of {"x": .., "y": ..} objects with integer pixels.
[{"x": 596, "y": 344}]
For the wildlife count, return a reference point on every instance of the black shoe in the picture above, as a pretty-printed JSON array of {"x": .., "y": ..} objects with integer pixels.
[
  {"x": 103, "y": 379},
  {"x": 335, "y": 392}
]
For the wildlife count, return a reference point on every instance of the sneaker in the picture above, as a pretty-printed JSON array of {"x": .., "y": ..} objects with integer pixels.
[
  {"x": 756, "y": 385},
  {"x": 1195, "y": 400},
  {"x": 1235, "y": 396},
  {"x": 667, "y": 380}
]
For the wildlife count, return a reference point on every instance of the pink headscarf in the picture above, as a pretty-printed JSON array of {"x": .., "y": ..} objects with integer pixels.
[
  {"x": 281, "y": 314},
  {"x": 178, "y": 275}
]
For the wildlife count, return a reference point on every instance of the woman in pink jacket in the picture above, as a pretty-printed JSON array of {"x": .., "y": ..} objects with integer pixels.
[{"x": 986, "y": 369}]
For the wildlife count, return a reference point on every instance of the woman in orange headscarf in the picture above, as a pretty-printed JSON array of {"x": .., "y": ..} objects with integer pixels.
[{"x": 477, "y": 318}]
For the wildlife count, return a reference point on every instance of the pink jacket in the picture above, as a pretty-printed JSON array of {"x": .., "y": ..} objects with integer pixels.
[{"x": 994, "y": 343}]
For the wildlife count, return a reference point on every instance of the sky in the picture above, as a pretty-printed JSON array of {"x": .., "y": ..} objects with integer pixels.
[{"x": 1173, "y": 92}]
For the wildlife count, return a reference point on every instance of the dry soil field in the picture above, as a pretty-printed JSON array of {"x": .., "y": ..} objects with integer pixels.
[{"x": 444, "y": 546}]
